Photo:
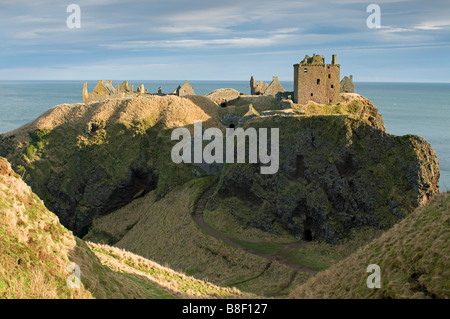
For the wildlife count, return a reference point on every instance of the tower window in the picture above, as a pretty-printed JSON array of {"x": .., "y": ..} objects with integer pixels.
[
  {"x": 329, "y": 76},
  {"x": 318, "y": 81},
  {"x": 312, "y": 94},
  {"x": 332, "y": 86},
  {"x": 305, "y": 70}
]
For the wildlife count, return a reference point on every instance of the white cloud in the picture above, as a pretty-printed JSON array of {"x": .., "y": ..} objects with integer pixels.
[
  {"x": 388, "y": 29},
  {"x": 433, "y": 25},
  {"x": 285, "y": 30},
  {"x": 191, "y": 29},
  {"x": 242, "y": 42}
]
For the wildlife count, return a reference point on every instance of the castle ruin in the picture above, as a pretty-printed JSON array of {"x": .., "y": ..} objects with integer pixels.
[
  {"x": 316, "y": 81},
  {"x": 347, "y": 85},
  {"x": 260, "y": 88},
  {"x": 313, "y": 81},
  {"x": 184, "y": 90},
  {"x": 105, "y": 90}
]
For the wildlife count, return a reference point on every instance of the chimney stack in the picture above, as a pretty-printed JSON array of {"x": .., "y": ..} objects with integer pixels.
[{"x": 333, "y": 59}]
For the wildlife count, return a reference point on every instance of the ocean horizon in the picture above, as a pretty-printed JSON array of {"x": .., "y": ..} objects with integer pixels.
[{"x": 406, "y": 107}]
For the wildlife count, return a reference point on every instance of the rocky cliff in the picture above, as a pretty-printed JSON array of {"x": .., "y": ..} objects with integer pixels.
[
  {"x": 336, "y": 173},
  {"x": 86, "y": 160},
  {"x": 413, "y": 257}
]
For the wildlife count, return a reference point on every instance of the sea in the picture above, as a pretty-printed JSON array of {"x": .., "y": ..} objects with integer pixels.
[{"x": 407, "y": 108}]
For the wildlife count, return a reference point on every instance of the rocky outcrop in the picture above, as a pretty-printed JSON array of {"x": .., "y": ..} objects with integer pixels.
[
  {"x": 222, "y": 96},
  {"x": 412, "y": 256},
  {"x": 336, "y": 173}
]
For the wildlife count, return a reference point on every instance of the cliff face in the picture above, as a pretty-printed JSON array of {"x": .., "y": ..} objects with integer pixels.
[
  {"x": 336, "y": 173},
  {"x": 339, "y": 169}
]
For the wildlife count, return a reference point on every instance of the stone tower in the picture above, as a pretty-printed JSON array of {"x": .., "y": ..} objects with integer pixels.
[
  {"x": 316, "y": 81},
  {"x": 85, "y": 92}
]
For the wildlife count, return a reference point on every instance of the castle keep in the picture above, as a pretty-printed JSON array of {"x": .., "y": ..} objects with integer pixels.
[{"x": 316, "y": 81}]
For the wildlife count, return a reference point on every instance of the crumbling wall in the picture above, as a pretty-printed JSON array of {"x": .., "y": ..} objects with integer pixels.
[
  {"x": 185, "y": 89},
  {"x": 274, "y": 88},
  {"x": 346, "y": 85}
]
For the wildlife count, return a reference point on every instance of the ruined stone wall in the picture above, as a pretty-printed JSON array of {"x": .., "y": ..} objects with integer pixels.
[
  {"x": 103, "y": 97},
  {"x": 184, "y": 90},
  {"x": 346, "y": 85},
  {"x": 274, "y": 88},
  {"x": 258, "y": 88},
  {"x": 124, "y": 88}
]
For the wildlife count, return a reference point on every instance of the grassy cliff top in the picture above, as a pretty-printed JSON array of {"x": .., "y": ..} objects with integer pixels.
[{"x": 172, "y": 111}]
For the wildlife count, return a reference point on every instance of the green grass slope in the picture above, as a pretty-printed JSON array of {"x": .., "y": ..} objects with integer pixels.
[
  {"x": 414, "y": 260},
  {"x": 37, "y": 250},
  {"x": 164, "y": 231}
]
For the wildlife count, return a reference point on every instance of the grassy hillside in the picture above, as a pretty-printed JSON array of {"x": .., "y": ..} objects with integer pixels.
[
  {"x": 105, "y": 170},
  {"x": 34, "y": 247},
  {"x": 414, "y": 258},
  {"x": 165, "y": 232},
  {"x": 37, "y": 250}
]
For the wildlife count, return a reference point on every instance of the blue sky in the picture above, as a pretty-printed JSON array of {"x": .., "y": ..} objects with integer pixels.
[{"x": 222, "y": 40}]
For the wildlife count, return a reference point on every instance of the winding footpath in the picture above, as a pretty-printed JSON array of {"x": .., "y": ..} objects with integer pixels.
[{"x": 278, "y": 256}]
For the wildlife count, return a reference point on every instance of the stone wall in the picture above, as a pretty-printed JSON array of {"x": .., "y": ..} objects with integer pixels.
[
  {"x": 274, "y": 88},
  {"x": 185, "y": 89},
  {"x": 346, "y": 85},
  {"x": 261, "y": 88},
  {"x": 105, "y": 90},
  {"x": 257, "y": 88}
]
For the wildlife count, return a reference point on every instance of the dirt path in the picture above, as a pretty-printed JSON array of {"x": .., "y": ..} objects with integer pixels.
[
  {"x": 278, "y": 256},
  {"x": 254, "y": 277}
]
